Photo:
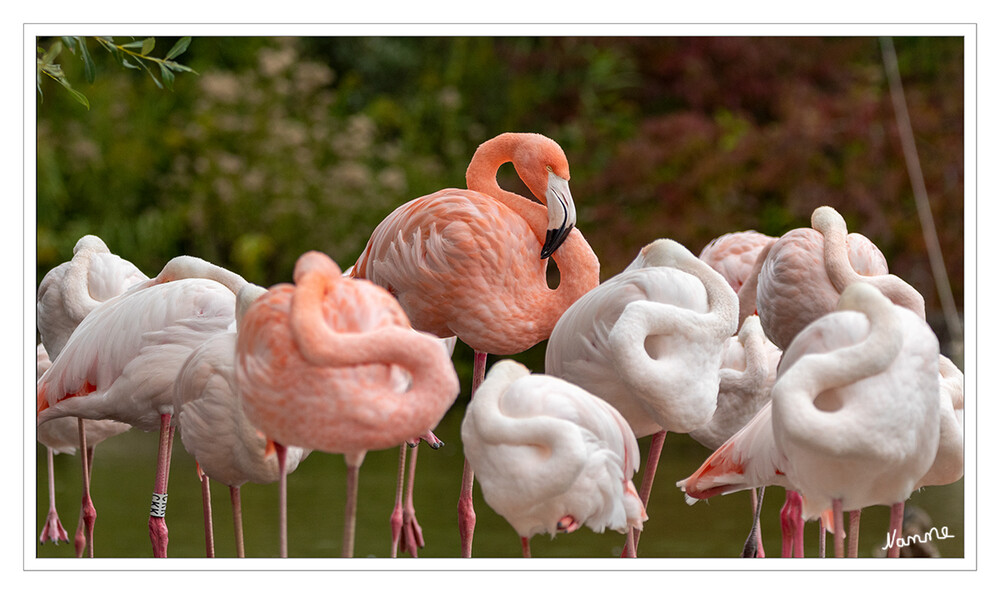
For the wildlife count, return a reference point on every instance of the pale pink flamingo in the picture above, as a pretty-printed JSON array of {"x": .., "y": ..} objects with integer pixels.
[
  {"x": 66, "y": 294},
  {"x": 856, "y": 414},
  {"x": 550, "y": 456},
  {"x": 213, "y": 426},
  {"x": 472, "y": 263},
  {"x": 62, "y": 436},
  {"x": 733, "y": 255},
  {"x": 122, "y": 360},
  {"x": 852, "y": 421},
  {"x": 331, "y": 364},
  {"x": 650, "y": 341},
  {"x": 794, "y": 287},
  {"x": 749, "y": 367}
]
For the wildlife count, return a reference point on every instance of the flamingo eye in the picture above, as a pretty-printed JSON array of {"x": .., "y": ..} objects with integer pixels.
[{"x": 548, "y": 168}]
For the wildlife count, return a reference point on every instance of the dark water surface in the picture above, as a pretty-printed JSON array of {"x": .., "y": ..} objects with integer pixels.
[{"x": 123, "y": 480}]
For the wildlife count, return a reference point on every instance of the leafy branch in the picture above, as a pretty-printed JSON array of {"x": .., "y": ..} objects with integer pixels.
[{"x": 133, "y": 55}]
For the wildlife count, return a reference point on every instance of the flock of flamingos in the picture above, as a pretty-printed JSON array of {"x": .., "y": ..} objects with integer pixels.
[{"x": 800, "y": 360}]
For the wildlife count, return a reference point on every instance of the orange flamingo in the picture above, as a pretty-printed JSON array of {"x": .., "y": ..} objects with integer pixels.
[
  {"x": 472, "y": 263},
  {"x": 331, "y": 364}
]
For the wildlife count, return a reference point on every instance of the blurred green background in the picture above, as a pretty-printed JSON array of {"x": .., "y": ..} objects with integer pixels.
[{"x": 282, "y": 145}]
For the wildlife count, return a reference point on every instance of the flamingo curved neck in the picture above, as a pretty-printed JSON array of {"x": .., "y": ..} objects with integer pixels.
[
  {"x": 794, "y": 393},
  {"x": 77, "y": 299},
  {"x": 187, "y": 267},
  {"x": 579, "y": 269},
  {"x": 493, "y": 426},
  {"x": 432, "y": 375},
  {"x": 842, "y": 274}
]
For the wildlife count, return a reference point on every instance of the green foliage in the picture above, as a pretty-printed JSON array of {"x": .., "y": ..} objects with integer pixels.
[
  {"x": 282, "y": 145},
  {"x": 124, "y": 54}
]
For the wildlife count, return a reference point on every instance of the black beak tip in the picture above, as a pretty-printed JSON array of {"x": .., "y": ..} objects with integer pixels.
[{"x": 553, "y": 239}]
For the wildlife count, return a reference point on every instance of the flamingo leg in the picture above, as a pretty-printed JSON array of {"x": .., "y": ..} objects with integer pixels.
[
  {"x": 895, "y": 527},
  {"x": 822, "y": 539},
  {"x": 525, "y": 548},
  {"x": 396, "y": 519},
  {"x": 792, "y": 526},
  {"x": 87, "y": 511},
  {"x": 282, "y": 502},
  {"x": 234, "y": 497},
  {"x": 838, "y": 528},
  {"x": 466, "y": 514},
  {"x": 853, "y": 534},
  {"x": 753, "y": 547},
  {"x": 413, "y": 536},
  {"x": 350, "y": 510},
  {"x": 652, "y": 460},
  {"x": 206, "y": 501},
  {"x": 53, "y": 529},
  {"x": 158, "y": 508}
]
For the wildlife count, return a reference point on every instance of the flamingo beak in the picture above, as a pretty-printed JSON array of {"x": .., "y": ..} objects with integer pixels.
[{"x": 562, "y": 214}]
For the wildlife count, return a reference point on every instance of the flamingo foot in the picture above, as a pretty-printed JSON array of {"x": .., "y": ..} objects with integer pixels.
[
  {"x": 53, "y": 530},
  {"x": 567, "y": 524},
  {"x": 431, "y": 439},
  {"x": 792, "y": 526},
  {"x": 158, "y": 536},
  {"x": 413, "y": 536}
]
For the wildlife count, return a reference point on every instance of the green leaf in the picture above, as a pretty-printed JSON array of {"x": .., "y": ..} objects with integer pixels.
[
  {"x": 147, "y": 45},
  {"x": 134, "y": 45},
  {"x": 70, "y": 43},
  {"x": 79, "y": 97},
  {"x": 179, "y": 48},
  {"x": 89, "y": 68},
  {"x": 168, "y": 77},
  {"x": 151, "y": 75},
  {"x": 52, "y": 52},
  {"x": 178, "y": 67}
]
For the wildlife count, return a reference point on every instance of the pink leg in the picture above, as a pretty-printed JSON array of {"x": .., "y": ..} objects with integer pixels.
[
  {"x": 282, "y": 502},
  {"x": 53, "y": 529},
  {"x": 158, "y": 508},
  {"x": 652, "y": 460},
  {"x": 822, "y": 539},
  {"x": 396, "y": 519},
  {"x": 88, "y": 512},
  {"x": 413, "y": 536},
  {"x": 234, "y": 497},
  {"x": 206, "y": 503},
  {"x": 350, "y": 511},
  {"x": 466, "y": 514},
  {"x": 895, "y": 527},
  {"x": 525, "y": 548},
  {"x": 852, "y": 537},
  {"x": 792, "y": 526},
  {"x": 838, "y": 528}
]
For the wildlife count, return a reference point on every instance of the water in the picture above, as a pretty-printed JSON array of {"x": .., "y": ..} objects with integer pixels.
[{"x": 124, "y": 469}]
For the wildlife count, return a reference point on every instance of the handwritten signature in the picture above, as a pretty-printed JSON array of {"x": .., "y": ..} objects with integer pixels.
[{"x": 902, "y": 542}]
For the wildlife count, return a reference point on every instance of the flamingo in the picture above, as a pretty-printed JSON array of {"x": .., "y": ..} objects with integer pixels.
[
  {"x": 749, "y": 367},
  {"x": 213, "y": 426},
  {"x": 852, "y": 419},
  {"x": 122, "y": 360},
  {"x": 62, "y": 436},
  {"x": 650, "y": 341},
  {"x": 733, "y": 255},
  {"x": 550, "y": 456},
  {"x": 66, "y": 294},
  {"x": 856, "y": 412},
  {"x": 794, "y": 287},
  {"x": 331, "y": 364},
  {"x": 472, "y": 263}
]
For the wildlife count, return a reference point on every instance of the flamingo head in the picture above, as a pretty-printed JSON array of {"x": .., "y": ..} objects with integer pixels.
[{"x": 541, "y": 163}]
